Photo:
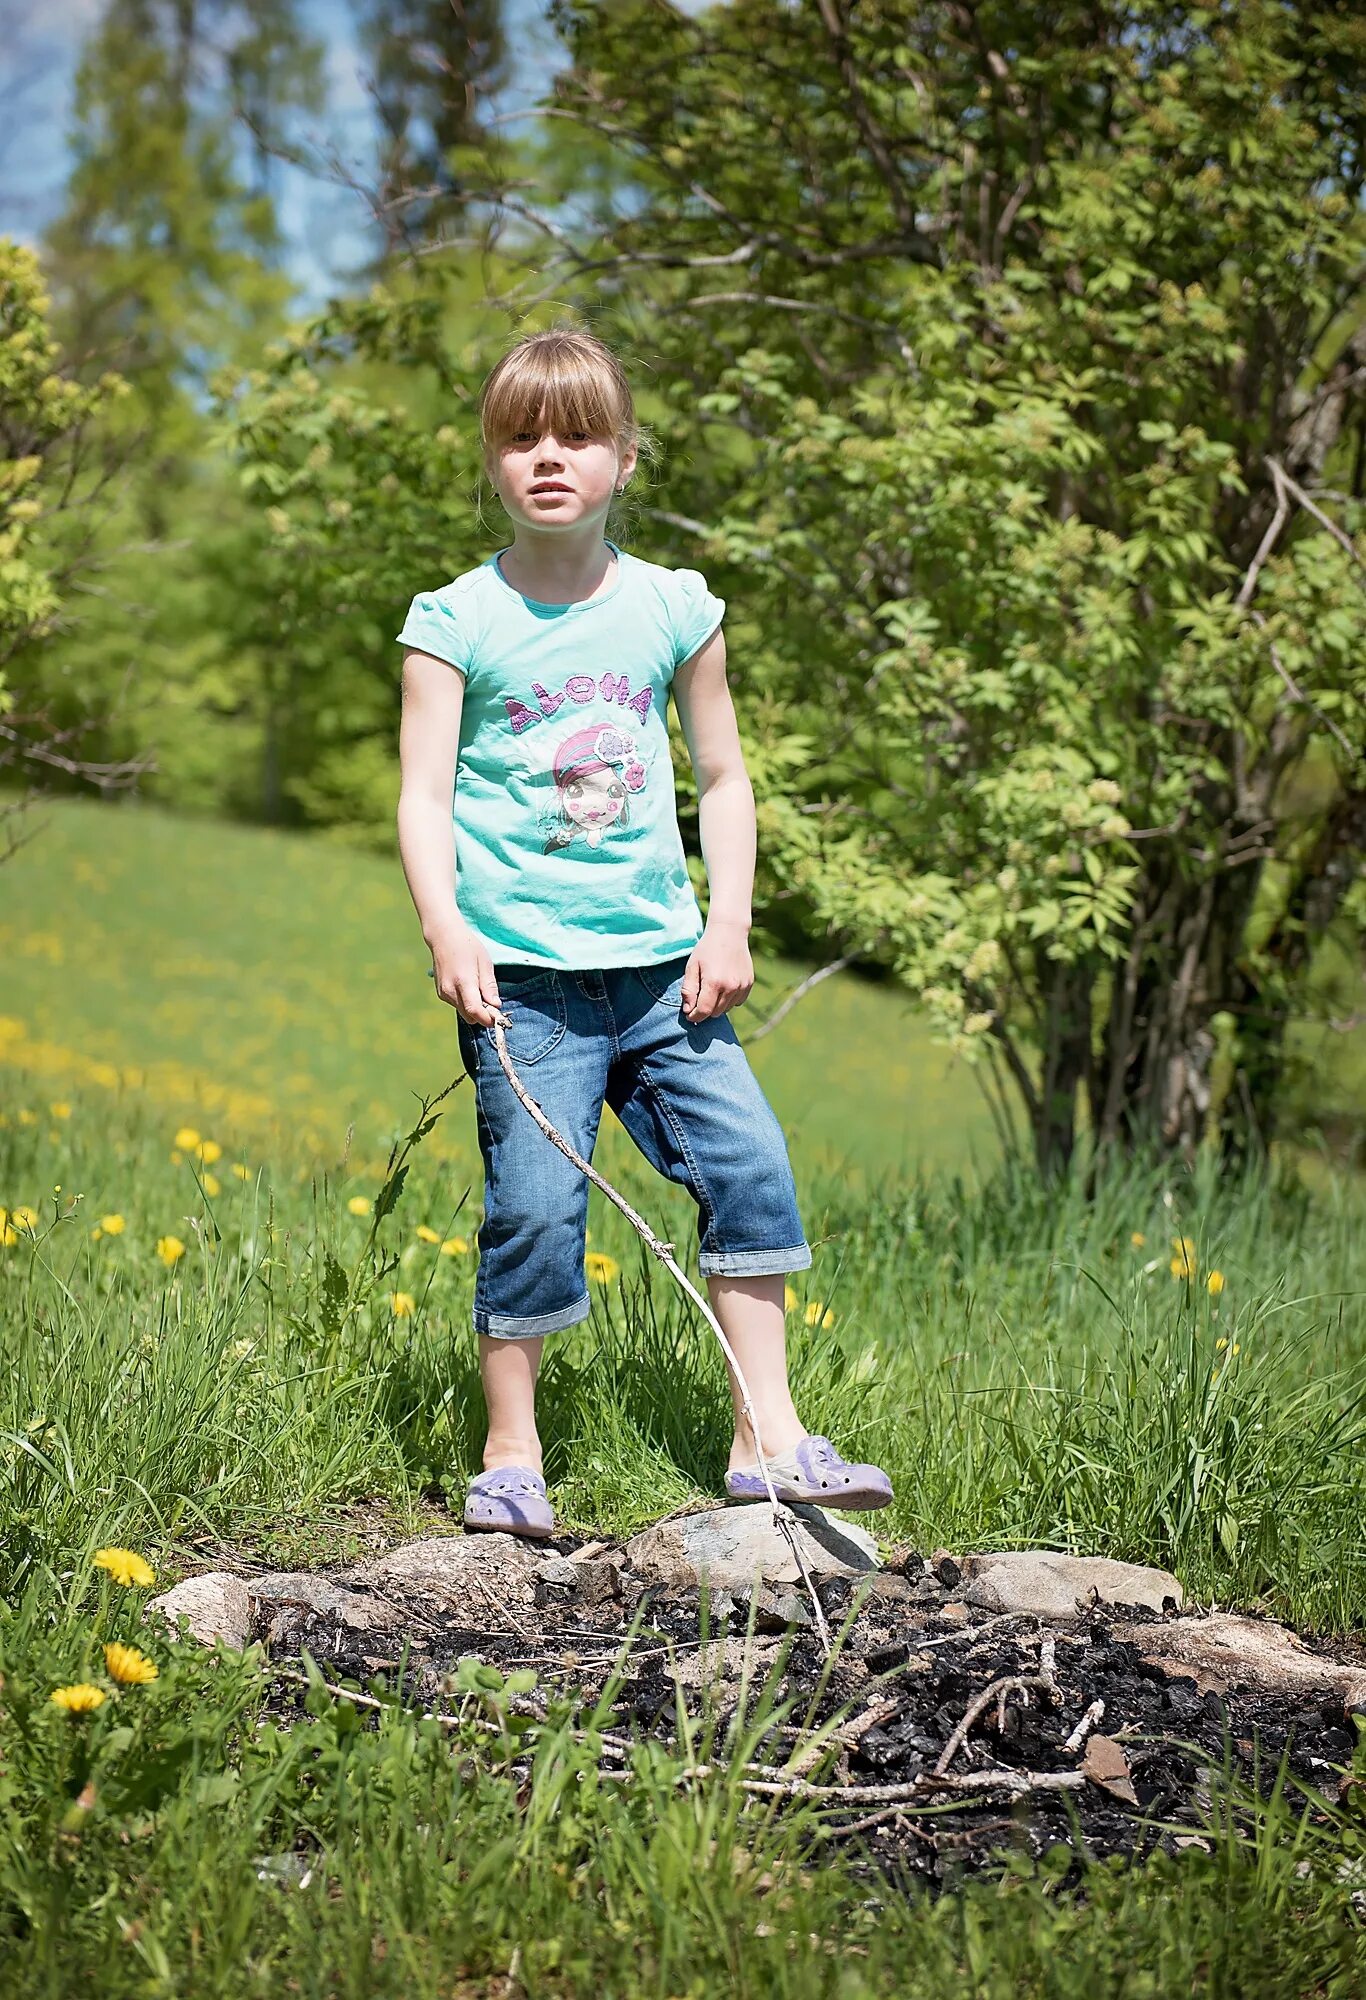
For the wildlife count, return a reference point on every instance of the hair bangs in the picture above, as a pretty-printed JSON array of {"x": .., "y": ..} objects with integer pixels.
[{"x": 560, "y": 381}]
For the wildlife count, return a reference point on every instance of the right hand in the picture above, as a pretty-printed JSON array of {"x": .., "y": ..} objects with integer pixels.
[{"x": 464, "y": 976}]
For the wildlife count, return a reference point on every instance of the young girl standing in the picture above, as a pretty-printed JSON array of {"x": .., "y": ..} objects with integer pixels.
[{"x": 534, "y": 731}]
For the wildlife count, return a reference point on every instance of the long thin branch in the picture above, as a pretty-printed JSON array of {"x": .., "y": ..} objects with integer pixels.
[
  {"x": 799, "y": 992},
  {"x": 782, "y": 1517}
]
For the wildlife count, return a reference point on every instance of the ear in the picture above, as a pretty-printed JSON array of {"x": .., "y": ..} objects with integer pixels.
[{"x": 626, "y": 466}]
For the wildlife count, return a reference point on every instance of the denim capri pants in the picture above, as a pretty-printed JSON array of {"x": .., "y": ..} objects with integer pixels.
[{"x": 684, "y": 1091}]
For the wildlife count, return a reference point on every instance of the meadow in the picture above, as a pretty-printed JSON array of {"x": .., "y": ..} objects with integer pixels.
[{"x": 229, "y": 1328}]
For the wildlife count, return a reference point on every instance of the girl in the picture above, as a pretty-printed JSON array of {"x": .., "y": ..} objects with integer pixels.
[{"x": 534, "y": 691}]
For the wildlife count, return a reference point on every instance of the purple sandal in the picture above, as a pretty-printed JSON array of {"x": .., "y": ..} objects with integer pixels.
[
  {"x": 813, "y": 1471},
  {"x": 512, "y": 1499}
]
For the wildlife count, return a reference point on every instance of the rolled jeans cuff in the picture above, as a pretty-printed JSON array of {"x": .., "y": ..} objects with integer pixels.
[
  {"x": 504, "y": 1326},
  {"x": 754, "y": 1263}
]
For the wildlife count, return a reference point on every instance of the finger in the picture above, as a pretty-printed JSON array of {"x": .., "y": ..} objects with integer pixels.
[
  {"x": 488, "y": 980},
  {"x": 472, "y": 1003}
]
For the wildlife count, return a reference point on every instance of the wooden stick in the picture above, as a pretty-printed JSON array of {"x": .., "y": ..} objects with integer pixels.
[{"x": 782, "y": 1517}]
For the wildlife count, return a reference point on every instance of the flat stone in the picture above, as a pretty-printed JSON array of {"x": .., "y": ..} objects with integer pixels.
[
  {"x": 474, "y": 1575},
  {"x": 1225, "y": 1650},
  {"x": 286, "y": 1602},
  {"x": 216, "y": 1605},
  {"x": 1048, "y": 1584},
  {"x": 728, "y": 1547}
]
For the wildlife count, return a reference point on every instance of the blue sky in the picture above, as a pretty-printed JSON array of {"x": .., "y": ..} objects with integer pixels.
[{"x": 326, "y": 228}]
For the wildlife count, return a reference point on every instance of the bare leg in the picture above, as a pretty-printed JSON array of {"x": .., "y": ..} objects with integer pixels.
[
  {"x": 751, "y": 1312},
  {"x": 508, "y": 1370}
]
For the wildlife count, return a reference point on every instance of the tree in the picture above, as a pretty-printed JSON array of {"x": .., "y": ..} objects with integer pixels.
[
  {"x": 1018, "y": 357},
  {"x": 52, "y": 483}
]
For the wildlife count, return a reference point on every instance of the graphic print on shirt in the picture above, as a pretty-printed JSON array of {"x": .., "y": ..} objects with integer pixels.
[{"x": 594, "y": 772}]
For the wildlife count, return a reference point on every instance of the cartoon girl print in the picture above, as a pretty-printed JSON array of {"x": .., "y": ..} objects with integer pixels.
[{"x": 595, "y": 771}]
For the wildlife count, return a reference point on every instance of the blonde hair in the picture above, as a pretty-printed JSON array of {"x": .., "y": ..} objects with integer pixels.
[
  {"x": 574, "y": 377},
  {"x": 581, "y": 385}
]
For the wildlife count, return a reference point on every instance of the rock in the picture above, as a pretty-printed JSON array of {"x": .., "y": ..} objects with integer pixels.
[
  {"x": 730, "y": 1546},
  {"x": 947, "y": 1568},
  {"x": 286, "y": 1602},
  {"x": 1048, "y": 1584},
  {"x": 951, "y": 1617},
  {"x": 477, "y": 1576},
  {"x": 1225, "y": 1650},
  {"x": 599, "y": 1578},
  {"x": 216, "y": 1605}
]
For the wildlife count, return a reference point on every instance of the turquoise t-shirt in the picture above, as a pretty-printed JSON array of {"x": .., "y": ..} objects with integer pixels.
[{"x": 567, "y": 849}]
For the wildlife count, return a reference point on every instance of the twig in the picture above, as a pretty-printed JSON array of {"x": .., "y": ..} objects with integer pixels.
[
  {"x": 782, "y": 1517},
  {"x": 1085, "y": 1725},
  {"x": 798, "y": 992}
]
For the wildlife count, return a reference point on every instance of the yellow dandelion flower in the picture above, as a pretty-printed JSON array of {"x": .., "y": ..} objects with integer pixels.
[
  {"x": 1237, "y": 1347},
  {"x": 1220, "y": 1345},
  {"x": 425, "y": 1234},
  {"x": 209, "y": 1151},
  {"x": 1214, "y": 1283},
  {"x": 359, "y": 1204},
  {"x": 187, "y": 1137},
  {"x": 96, "y": 1234},
  {"x": 455, "y": 1246},
  {"x": 60, "y": 1110},
  {"x": 1137, "y": 1238},
  {"x": 601, "y": 1268},
  {"x": 113, "y": 1225},
  {"x": 8, "y": 1234},
  {"x": 125, "y": 1566},
  {"x": 789, "y": 1298},
  {"x": 212, "y": 1184},
  {"x": 1183, "y": 1263},
  {"x": 242, "y": 1170},
  {"x": 127, "y": 1664},
  {"x": 77, "y": 1698},
  {"x": 25, "y": 1217},
  {"x": 27, "y": 1117},
  {"x": 169, "y": 1248},
  {"x": 404, "y": 1304},
  {"x": 819, "y": 1314}
]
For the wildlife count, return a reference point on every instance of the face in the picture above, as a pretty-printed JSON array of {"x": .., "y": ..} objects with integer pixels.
[
  {"x": 594, "y": 799},
  {"x": 549, "y": 481}
]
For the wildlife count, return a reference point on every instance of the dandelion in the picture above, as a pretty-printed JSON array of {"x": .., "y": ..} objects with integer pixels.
[
  {"x": 789, "y": 1299},
  {"x": 404, "y": 1304},
  {"x": 77, "y": 1698},
  {"x": 1183, "y": 1263},
  {"x": 1220, "y": 1345},
  {"x": 212, "y": 1184},
  {"x": 209, "y": 1151},
  {"x": 125, "y": 1566},
  {"x": 1137, "y": 1238},
  {"x": 169, "y": 1248},
  {"x": 187, "y": 1138},
  {"x": 601, "y": 1268},
  {"x": 128, "y": 1665},
  {"x": 60, "y": 1110},
  {"x": 425, "y": 1234},
  {"x": 113, "y": 1225},
  {"x": 1214, "y": 1283},
  {"x": 24, "y": 1218},
  {"x": 455, "y": 1246},
  {"x": 819, "y": 1314},
  {"x": 242, "y": 1170},
  {"x": 359, "y": 1204}
]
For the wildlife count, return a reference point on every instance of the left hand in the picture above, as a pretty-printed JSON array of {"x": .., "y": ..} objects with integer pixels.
[{"x": 719, "y": 973}]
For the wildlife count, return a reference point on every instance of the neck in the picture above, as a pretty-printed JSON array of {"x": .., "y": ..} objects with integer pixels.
[{"x": 559, "y": 567}]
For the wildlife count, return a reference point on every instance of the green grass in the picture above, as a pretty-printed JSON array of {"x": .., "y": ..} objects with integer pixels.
[
  {"x": 1027, "y": 1372},
  {"x": 275, "y": 985}
]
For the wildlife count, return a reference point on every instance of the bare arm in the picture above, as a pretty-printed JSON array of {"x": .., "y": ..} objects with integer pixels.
[
  {"x": 429, "y": 740},
  {"x": 720, "y": 973}
]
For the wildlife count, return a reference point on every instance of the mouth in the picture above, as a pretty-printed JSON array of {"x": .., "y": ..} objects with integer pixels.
[{"x": 549, "y": 487}]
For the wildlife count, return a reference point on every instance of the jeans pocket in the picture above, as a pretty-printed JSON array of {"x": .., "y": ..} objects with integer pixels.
[
  {"x": 664, "y": 981},
  {"x": 534, "y": 1003}
]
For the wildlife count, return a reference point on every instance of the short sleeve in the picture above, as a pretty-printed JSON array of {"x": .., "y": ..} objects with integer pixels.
[
  {"x": 697, "y": 613},
  {"x": 433, "y": 627}
]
